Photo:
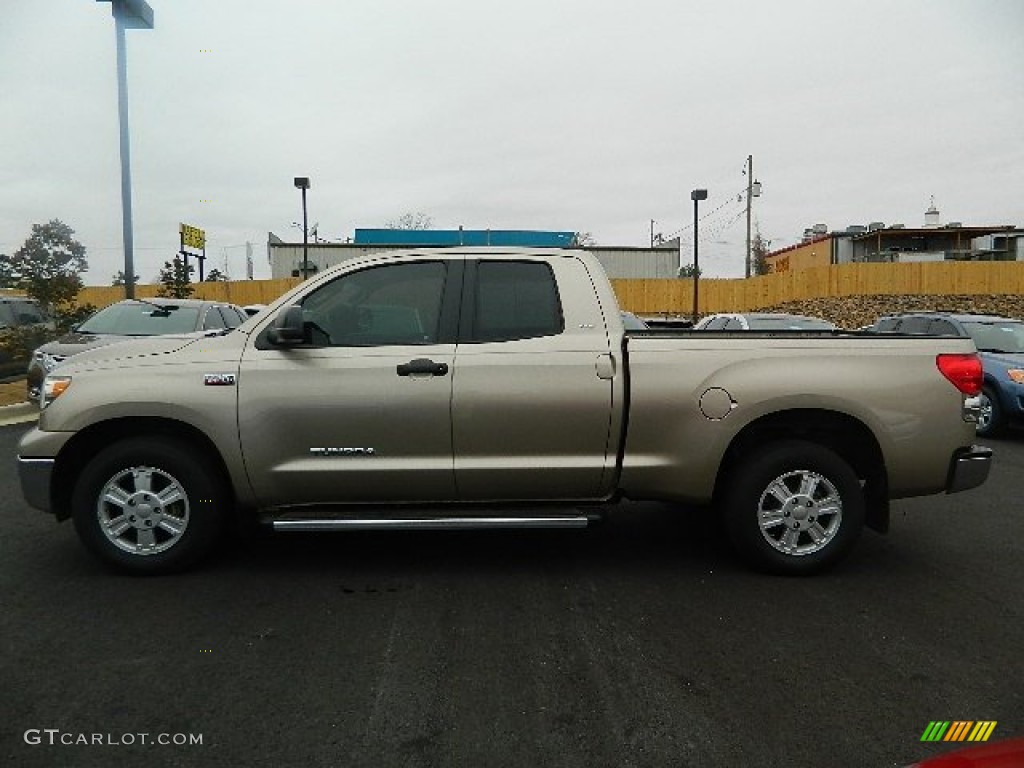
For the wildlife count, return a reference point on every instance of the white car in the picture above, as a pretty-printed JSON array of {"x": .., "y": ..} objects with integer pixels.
[{"x": 762, "y": 321}]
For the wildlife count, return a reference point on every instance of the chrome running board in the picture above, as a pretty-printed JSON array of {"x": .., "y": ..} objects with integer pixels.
[{"x": 429, "y": 523}]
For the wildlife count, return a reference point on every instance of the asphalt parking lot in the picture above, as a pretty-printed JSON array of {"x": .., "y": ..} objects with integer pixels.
[{"x": 641, "y": 642}]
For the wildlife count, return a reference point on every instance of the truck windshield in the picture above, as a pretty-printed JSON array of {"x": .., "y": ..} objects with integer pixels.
[
  {"x": 1005, "y": 336},
  {"x": 141, "y": 320}
]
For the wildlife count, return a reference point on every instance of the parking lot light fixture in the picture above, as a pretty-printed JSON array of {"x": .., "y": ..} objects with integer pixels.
[
  {"x": 696, "y": 195},
  {"x": 302, "y": 182}
]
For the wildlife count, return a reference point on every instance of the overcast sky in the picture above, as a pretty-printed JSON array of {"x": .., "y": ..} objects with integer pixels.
[{"x": 586, "y": 115}]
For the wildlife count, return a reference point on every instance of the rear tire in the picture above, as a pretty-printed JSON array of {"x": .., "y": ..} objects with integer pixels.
[
  {"x": 149, "y": 506},
  {"x": 990, "y": 421},
  {"x": 794, "y": 508}
]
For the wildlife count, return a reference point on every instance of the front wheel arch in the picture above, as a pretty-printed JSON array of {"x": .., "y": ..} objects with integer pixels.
[
  {"x": 149, "y": 505},
  {"x": 89, "y": 441}
]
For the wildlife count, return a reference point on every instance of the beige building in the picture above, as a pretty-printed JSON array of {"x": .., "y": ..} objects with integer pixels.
[{"x": 896, "y": 243}]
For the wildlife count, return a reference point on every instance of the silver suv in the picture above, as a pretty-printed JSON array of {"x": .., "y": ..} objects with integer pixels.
[{"x": 130, "y": 319}]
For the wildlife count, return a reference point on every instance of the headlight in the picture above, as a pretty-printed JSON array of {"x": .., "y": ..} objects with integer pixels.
[
  {"x": 1016, "y": 374},
  {"x": 53, "y": 387}
]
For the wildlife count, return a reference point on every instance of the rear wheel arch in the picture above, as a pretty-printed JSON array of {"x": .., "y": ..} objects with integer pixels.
[
  {"x": 991, "y": 422},
  {"x": 794, "y": 508},
  {"x": 846, "y": 436}
]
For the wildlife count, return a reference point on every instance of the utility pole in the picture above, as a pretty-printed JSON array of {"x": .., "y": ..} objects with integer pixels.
[
  {"x": 750, "y": 188},
  {"x": 753, "y": 190}
]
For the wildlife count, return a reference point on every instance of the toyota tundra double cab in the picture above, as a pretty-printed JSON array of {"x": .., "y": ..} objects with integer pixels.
[{"x": 473, "y": 388}]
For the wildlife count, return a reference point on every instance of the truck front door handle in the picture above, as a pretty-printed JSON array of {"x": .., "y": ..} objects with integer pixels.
[{"x": 422, "y": 365}]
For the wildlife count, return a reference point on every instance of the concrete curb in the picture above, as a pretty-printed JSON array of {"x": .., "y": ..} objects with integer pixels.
[{"x": 21, "y": 413}]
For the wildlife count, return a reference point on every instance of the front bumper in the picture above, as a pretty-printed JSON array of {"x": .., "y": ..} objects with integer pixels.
[
  {"x": 35, "y": 476},
  {"x": 968, "y": 468}
]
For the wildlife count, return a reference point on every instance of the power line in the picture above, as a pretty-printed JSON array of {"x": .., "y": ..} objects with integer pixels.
[{"x": 728, "y": 201}]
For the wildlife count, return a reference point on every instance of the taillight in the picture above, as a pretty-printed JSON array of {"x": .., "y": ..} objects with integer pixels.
[{"x": 964, "y": 371}]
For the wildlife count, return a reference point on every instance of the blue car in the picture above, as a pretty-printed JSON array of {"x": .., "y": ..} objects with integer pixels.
[{"x": 1000, "y": 342}]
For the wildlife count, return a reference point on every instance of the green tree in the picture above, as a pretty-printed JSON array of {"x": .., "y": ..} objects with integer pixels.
[
  {"x": 176, "y": 279},
  {"x": 582, "y": 240},
  {"x": 215, "y": 276},
  {"x": 119, "y": 278},
  {"x": 758, "y": 250},
  {"x": 688, "y": 270},
  {"x": 47, "y": 267}
]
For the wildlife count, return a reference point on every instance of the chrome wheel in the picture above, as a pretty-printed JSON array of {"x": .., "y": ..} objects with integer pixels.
[
  {"x": 143, "y": 510},
  {"x": 985, "y": 413},
  {"x": 800, "y": 512}
]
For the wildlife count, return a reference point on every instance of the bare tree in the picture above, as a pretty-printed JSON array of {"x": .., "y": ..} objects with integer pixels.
[{"x": 409, "y": 220}]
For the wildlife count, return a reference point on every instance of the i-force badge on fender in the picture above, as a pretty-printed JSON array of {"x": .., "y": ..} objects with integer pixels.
[{"x": 219, "y": 379}]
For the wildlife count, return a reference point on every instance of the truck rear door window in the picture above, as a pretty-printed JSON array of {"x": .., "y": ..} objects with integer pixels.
[{"x": 516, "y": 300}]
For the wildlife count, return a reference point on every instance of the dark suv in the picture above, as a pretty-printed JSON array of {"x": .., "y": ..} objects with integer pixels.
[
  {"x": 1000, "y": 341},
  {"x": 18, "y": 312}
]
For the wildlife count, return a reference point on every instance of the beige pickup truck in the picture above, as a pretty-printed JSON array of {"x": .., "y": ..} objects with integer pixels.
[{"x": 473, "y": 388}]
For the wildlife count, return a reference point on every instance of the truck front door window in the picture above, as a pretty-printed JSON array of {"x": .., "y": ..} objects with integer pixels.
[
  {"x": 337, "y": 420},
  {"x": 384, "y": 306}
]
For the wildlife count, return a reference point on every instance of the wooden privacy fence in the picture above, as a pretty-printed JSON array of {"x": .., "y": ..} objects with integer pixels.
[
  {"x": 240, "y": 292},
  {"x": 715, "y": 294},
  {"x": 742, "y": 295}
]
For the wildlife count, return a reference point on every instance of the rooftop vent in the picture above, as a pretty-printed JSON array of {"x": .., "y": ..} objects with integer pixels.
[{"x": 874, "y": 226}]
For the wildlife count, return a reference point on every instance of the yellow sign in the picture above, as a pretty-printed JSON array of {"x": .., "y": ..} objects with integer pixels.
[{"x": 193, "y": 237}]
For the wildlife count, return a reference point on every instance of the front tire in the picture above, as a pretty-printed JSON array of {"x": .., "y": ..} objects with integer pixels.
[
  {"x": 149, "y": 506},
  {"x": 795, "y": 508}
]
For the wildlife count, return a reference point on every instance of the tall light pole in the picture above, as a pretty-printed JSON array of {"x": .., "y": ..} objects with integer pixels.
[
  {"x": 302, "y": 182},
  {"x": 128, "y": 14},
  {"x": 696, "y": 195},
  {"x": 753, "y": 190}
]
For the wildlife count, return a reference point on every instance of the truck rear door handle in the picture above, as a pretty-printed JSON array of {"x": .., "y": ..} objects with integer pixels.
[{"x": 422, "y": 365}]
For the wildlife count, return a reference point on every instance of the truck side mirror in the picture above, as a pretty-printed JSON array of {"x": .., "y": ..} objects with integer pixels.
[{"x": 288, "y": 329}]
